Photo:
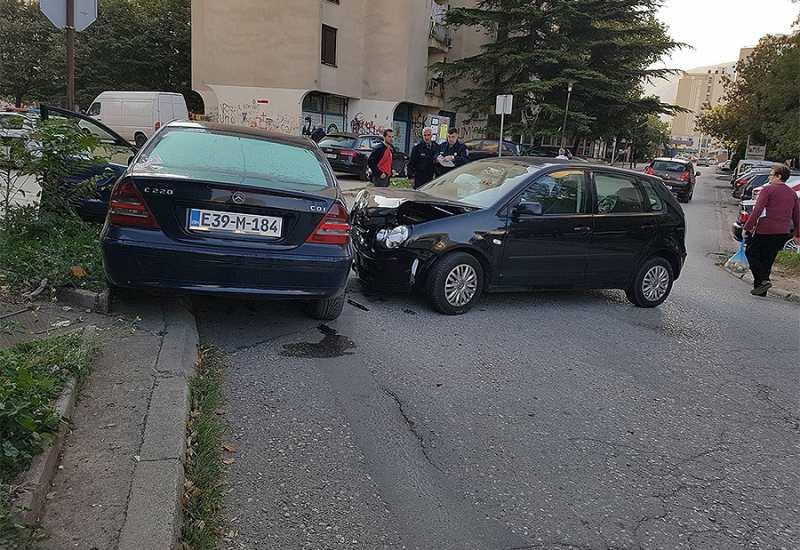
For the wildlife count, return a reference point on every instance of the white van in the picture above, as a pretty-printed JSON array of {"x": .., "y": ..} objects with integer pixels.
[{"x": 137, "y": 115}]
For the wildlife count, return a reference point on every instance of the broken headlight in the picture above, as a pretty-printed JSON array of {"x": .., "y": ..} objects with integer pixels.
[{"x": 393, "y": 238}]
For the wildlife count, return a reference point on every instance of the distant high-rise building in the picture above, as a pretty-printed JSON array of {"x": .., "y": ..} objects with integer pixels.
[{"x": 697, "y": 92}]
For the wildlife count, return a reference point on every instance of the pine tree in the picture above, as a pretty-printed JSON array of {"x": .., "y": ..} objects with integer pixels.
[{"x": 605, "y": 47}]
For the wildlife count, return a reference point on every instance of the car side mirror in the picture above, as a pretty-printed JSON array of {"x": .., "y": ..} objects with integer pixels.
[
  {"x": 528, "y": 208},
  {"x": 697, "y": 173}
]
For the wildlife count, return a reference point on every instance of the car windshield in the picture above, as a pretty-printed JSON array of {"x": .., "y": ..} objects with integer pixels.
[
  {"x": 201, "y": 154},
  {"x": 338, "y": 141},
  {"x": 480, "y": 183},
  {"x": 668, "y": 166}
]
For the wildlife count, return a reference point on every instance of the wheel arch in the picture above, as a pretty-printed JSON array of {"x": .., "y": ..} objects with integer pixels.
[{"x": 477, "y": 254}]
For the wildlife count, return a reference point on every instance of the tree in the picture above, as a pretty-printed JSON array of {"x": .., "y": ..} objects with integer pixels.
[
  {"x": 762, "y": 103},
  {"x": 605, "y": 47},
  {"x": 30, "y": 58}
]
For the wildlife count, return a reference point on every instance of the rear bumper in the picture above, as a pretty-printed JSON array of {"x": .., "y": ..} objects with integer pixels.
[{"x": 307, "y": 272}]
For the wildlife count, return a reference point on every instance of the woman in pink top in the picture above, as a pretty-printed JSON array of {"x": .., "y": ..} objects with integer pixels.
[{"x": 776, "y": 212}]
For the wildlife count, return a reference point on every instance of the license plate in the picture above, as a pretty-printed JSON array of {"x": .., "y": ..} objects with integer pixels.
[
  {"x": 331, "y": 155},
  {"x": 233, "y": 222}
]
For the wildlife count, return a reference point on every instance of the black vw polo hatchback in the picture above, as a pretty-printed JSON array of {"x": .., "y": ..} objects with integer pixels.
[
  {"x": 213, "y": 209},
  {"x": 510, "y": 224}
]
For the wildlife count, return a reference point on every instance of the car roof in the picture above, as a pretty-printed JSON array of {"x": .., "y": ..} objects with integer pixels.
[
  {"x": 548, "y": 162},
  {"x": 347, "y": 135},
  {"x": 244, "y": 131}
]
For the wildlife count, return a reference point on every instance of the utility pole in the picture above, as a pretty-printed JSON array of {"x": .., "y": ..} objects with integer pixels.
[
  {"x": 566, "y": 112},
  {"x": 70, "y": 28}
]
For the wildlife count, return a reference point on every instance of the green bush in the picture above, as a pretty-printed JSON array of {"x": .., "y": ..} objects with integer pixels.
[
  {"x": 43, "y": 245},
  {"x": 32, "y": 375},
  {"x": 403, "y": 183},
  {"x": 789, "y": 260}
]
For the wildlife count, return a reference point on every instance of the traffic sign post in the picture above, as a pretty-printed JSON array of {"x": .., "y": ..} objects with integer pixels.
[
  {"x": 72, "y": 16},
  {"x": 503, "y": 105}
]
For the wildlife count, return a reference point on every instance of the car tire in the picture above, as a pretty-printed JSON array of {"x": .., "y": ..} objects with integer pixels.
[
  {"x": 455, "y": 283},
  {"x": 684, "y": 198},
  {"x": 327, "y": 309},
  {"x": 652, "y": 284},
  {"x": 363, "y": 174},
  {"x": 140, "y": 140}
]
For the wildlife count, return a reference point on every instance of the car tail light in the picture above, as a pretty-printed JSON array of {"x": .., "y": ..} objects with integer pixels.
[
  {"x": 157, "y": 125},
  {"x": 127, "y": 207},
  {"x": 348, "y": 153},
  {"x": 685, "y": 176},
  {"x": 740, "y": 182},
  {"x": 649, "y": 171},
  {"x": 334, "y": 227},
  {"x": 743, "y": 217}
]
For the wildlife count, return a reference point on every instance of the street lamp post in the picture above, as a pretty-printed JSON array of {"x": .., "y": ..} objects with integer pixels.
[{"x": 566, "y": 112}]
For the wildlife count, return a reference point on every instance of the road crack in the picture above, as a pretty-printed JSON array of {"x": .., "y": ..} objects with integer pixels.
[{"x": 412, "y": 426}]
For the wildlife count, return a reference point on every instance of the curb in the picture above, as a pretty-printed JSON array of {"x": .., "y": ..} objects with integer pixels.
[
  {"x": 774, "y": 292},
  {"x": 154, "y": 514},
  {"x": 98, "y": 302},
  {"x": 35, "y": 481}
]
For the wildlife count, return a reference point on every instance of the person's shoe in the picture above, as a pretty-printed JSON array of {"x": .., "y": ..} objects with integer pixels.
[{"x": 761, "y": 290}]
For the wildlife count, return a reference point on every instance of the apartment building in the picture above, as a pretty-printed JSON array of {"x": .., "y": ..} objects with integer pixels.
[
  {"x": 344, "y": 65},
  {"x": 697, "y": 92}
]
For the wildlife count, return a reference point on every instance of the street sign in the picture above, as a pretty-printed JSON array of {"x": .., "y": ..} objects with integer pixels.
[
  {"x": 756, "y": 152},
  {"x": 503, "y": 104},
  {"x": 56, "y": 12}
]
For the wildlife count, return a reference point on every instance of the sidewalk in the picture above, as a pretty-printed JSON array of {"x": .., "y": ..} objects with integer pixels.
[{"x": 119, "y": 477}]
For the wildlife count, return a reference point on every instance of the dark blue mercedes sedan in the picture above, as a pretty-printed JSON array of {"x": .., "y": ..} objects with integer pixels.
[{"x": 213, "y": 209}]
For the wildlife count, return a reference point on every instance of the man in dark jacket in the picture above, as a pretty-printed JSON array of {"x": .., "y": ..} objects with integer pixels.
[
  {"x": 422, "y": 159},
  {"x": 451, "y": 154},
  {"x": 380, "y": 161}
]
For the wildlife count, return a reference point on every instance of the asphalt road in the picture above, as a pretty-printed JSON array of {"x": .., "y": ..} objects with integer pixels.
[{"x": 553, "y": 420}]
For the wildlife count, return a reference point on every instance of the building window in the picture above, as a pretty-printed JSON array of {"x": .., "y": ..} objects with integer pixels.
[
  {"x": 333, "y": 1},
  {"x": 325, "y": 111},
  {"x": 328, "y": 45}
]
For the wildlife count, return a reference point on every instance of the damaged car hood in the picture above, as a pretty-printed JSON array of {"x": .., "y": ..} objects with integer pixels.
[{"x": 387, "y": 207}]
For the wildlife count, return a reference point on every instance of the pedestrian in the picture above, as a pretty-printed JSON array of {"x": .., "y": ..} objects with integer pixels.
[
  {"x": 380, "y": 161},
  {"x": 317, "y": 135},
  {"x": 422, "y": 159},
  {"x": 562, "y": 154},
  {"x": 770, "y": 226},
  {"x": 452, "y": 153}
]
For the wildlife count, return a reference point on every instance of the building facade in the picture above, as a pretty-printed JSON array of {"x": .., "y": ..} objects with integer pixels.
[
  {"x": 352, "y": 65},
  {"x": 697, "y": 92}
]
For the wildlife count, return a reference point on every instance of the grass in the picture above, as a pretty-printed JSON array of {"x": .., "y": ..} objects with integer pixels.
[
  {"x": 204, "y": 521},
  {"x": 403, "y": 183},
  {"x": 32, "y": 376},
  {"x": 790, "y": 261},
  {"x": 62, "y": 249}
]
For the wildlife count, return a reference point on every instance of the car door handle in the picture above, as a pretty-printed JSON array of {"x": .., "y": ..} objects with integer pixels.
[
  {"x": 582, "y": 228},
  {"x": 647, "y": 225}
]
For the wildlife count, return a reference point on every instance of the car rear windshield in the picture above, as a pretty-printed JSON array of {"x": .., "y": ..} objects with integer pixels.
[
  {"x": 480, "y": 183},
  {"x": 201, "y": 154},
  {"x": 668, "y": 166},
  {"x": 338, "y": 141}
]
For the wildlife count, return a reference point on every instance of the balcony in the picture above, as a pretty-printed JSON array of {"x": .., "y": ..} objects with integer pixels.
[
  {"x": 435, "y": 85},
  {"x": 440, "y": 37}
]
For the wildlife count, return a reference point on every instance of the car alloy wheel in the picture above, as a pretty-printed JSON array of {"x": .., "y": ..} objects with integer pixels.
[
  {"x": 792, "y": 246},
  {"x": 461, "y": 285},
  {"x": 655, "y": 283}
]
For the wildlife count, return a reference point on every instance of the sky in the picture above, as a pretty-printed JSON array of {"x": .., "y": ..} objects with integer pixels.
[{"x": 719, "y": 28}]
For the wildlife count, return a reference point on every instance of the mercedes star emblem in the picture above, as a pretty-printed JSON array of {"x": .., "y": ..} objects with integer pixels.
[{"x": 238, "y": 197}]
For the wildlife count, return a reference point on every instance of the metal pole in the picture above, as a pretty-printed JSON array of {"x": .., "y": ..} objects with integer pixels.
[
  {"x": 614, "y": 151},
  {"x": 70, "y": 54},
  {"x": 566, "y": 112},
  {"x": 502, "y": 122}
]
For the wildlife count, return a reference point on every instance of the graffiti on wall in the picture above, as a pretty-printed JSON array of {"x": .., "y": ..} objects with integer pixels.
[
  {"x": 256, "y": 114},
  {"x": 361, "y": 126},
  {"x": 472, "y": 128}
]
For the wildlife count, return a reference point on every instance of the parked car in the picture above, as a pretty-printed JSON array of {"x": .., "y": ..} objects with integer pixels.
[
  {"x": 746, "y": 209},
  {"x": 487, "y": 148},
  {"x": 746, "y": 165},
  {"x": 212, "y": 209},
  {"x": 137, "y": 115},
  {"x": 679, "y": 176},
  {"x": 744, "y": 185},
  {"x": 349, "y": 153},
  {"x": 724, "y": 166},
  {"x": 521, "y": 223},
  {"x": 114, "y": 148}
]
